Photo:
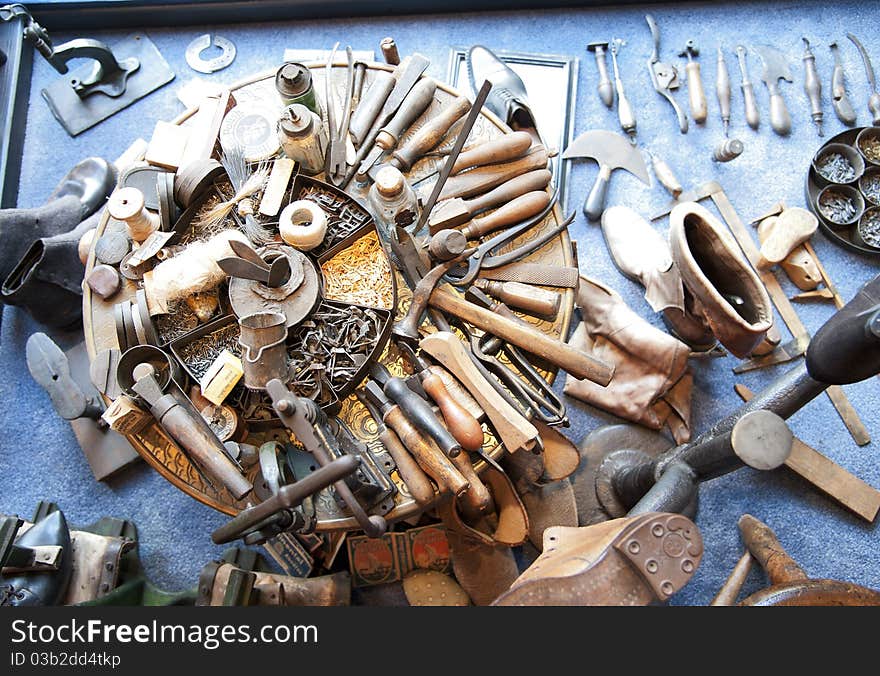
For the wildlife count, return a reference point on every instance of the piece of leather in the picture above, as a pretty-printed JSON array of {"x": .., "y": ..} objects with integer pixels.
[
  {"x": 549, "y": 505},
  {"x": 283, "y": 590},
  {"x": 483, "y": 571},
  {"x": 561, "y": 457},
  {"x": 712, "y": 267},
  {"x": 96, "y": 565},
  {"x": 41, "y": 588},
  {"x": 648, "y": 363},
  {"x": 642, "y": 255},
  {"x": 433, "y": 588},
  {"x": 627, "y": 561}
]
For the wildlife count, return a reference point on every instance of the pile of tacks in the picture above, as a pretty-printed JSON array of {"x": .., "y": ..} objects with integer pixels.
[{"x": 243, "y": 355}]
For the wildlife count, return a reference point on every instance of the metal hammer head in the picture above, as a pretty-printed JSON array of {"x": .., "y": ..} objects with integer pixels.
[
  {"x": 690, "y": 49},
  {"x": 593, "y": 46},
  {"x": 610, "y": 150}
]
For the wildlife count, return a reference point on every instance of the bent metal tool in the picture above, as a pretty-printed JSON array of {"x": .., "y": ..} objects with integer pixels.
[
  {"x": 610, "y": 151},
  {"x": 874, "y": 98},
  {"x": 842, "y": 105},
  {"x": 664, "y": 76}
]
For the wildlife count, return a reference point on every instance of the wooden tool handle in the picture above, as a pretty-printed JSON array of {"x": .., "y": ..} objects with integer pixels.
[
  {"x": 370, "y": 105},
  {"x": 413, "y": 476},
  {"x": 415, "y": 103},
  {"x": 430, "y": 134},
  {"x": 507, "y": 147},
  {"x": 666, "y": 176},
  {"x": 767, "y": 550},
  {"x": 517, "y": 433},
  {"x": 780, "y": 118},
  {"x": 464, "y": 427},
  {"x": 534, "y": 300},
  {"x": 481, "y": 179},
  {"x": 576, "y": 362},
  {"x": 595, "y": 203},
  {"x": 520, "y": 185},
  {"x": 477, "y": 499},
  {"x": 696, "y": 95},
  {"x": 751, "y": 105},
  {"x": 430, "y": 458},
  {"x": 515, "y": 211},
  {"x": 421, "y": 415}
]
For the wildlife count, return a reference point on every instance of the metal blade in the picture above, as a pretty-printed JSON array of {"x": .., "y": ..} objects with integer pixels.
[
  {"x": 238, "y": 267},
  {"x": 869, "y": 69},
  {"x": 279, "y": 272},
  {"x": 780, "y": 355},
  {"x": 776, "y": 66},
  {"x": 417, "y": 65},
  {"x": 242, "y": 250},
  {"x": 611, "y": 149}
]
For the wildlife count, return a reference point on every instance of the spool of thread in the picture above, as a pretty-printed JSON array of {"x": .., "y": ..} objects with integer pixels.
[
  {"x": 302, "y": 138},
  {"x": 303, "y": 225},
  {"x": 127, "y": 204},
  {"x": 727, "y": 150},
  {"x": 293, "y": 82}
]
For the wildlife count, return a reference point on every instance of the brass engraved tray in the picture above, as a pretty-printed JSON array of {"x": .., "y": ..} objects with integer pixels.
[{"x": 165, "y": 456}]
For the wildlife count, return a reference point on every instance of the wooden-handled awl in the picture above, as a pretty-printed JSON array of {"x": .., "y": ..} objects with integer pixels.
[{"x": 696, "y": 95}]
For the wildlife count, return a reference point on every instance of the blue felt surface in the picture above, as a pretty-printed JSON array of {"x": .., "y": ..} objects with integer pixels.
[{"x": 39, "y": 457}]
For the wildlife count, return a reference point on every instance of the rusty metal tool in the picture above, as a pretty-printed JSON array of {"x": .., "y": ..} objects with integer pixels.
[
  {"x": 828, "y": 476},
  {"x": 309, "y": 424},
  {"x": 416, "y": 102},
  {"x": 433, "y": 461},
  {"x": 753, "y": 117},
  {"x": 530, "y": 299},
  {"x": 182, "y": 424},
  {"x": 776, "y": 68},
  {"x": 839, "y": 100},
  {"x": 406, "y": 79},
  {"x": 874, "y": 98},
  {"x": 369, "y": 106},
  {"x": 526, "y": 248},
  {"x": 696, "y": 94},
  {"x": 781, "y": 354},
  {"x": 465, "y": 131},
  {"x": 502, "y": 149},
  {"x": 722, "y": 90},
  {"x": 454, "y": 212},
  {"x": 664, "y": 76},
  {"x": 728, "y": 592},
  {"x": 335, "y": 162},
  {"x": 578, "y": 363},
  {"x": 416, "y": 409},
  {"x": 446, "y": 245},
  {"x": 625, "y": 113},
  {"x": 610, "y": 151},
  {"x": 464, "y": 426},
  {"x": 517, "y": 433},
  {"x": 533, "y": 273},
  {"x": 603, "y": 86},
  {"x": 407, "y": 328},
  {"x": 483, "y": 178},
  {"x": 418, "y": 483},
  {"x": 430, "y": 134},
  {"x": 813, "y": 86},
  {"x": 278, "y": 510}
]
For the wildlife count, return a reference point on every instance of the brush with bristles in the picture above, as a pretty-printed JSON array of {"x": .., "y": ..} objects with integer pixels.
[{"x": 246, "y": 184}]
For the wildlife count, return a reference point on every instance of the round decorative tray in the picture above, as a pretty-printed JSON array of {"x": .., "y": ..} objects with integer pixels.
[{"x": 351, "y": 237}]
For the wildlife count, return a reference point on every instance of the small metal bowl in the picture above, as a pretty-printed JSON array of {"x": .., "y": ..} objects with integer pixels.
[
  {"x": 861, "y": 234},
  {"x": 845, "y": 191},
  {"x": 850, "y": 154},
  {"x": 871, "y": 175},
  {"x": 866, "y": 135}
]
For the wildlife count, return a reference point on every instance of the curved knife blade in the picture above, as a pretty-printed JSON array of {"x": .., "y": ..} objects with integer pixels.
[{"x": 869, "y": 69}]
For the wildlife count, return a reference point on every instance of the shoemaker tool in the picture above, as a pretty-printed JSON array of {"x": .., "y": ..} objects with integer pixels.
[
  {"x": 610, "y": 151},
  {"x": 874, "y": 98},
  {"x": 753, "y": 117},
  {"x": 696, "y": 95},
  {"x": 604, "y": 87},
  {"x": 336, "y": 166},
  {"x": 625, "y": 113},
  {"x": 664, "y": 76},
  {"x": 839, "y": 99},
  {"x": 812, "y": 86},
  {"x": 776, "y": 68},
  {"x": 722, "y": 90}
]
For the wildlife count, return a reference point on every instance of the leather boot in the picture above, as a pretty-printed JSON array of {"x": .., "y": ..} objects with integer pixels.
[
  {"x": 727, "y": 291},
  {"x": 508, "y": 98},
  {"x": 271, "y": 589},
  {"x": 43, "y": 588},
  {"x": 649, "y": 365},
  {"x": 47, "y": 280},
  {"x": 624, "y": 562}
]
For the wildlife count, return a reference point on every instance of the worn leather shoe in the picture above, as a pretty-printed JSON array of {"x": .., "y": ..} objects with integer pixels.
[
  {"x": 90, "y": 181},
  {"x": 508, "y": 98},
  {"x": 272, "y": 589},
  {"x": 726, "y": 290},
  {"x": 41, "y": 588},
  {"x": 623, "y": 562}
]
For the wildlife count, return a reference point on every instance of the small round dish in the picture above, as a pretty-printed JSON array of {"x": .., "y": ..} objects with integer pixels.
[
  {"x": 867, "y": 232},
  {"x": 840, "y": 205},
  {"x": 838, "y": 164},
  {"x": 868, "y": 144},
  {"x": 869, "y": 186}
]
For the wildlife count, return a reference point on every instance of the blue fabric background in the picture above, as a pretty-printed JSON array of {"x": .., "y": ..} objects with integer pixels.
[{"x": 39, "y": 457}]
